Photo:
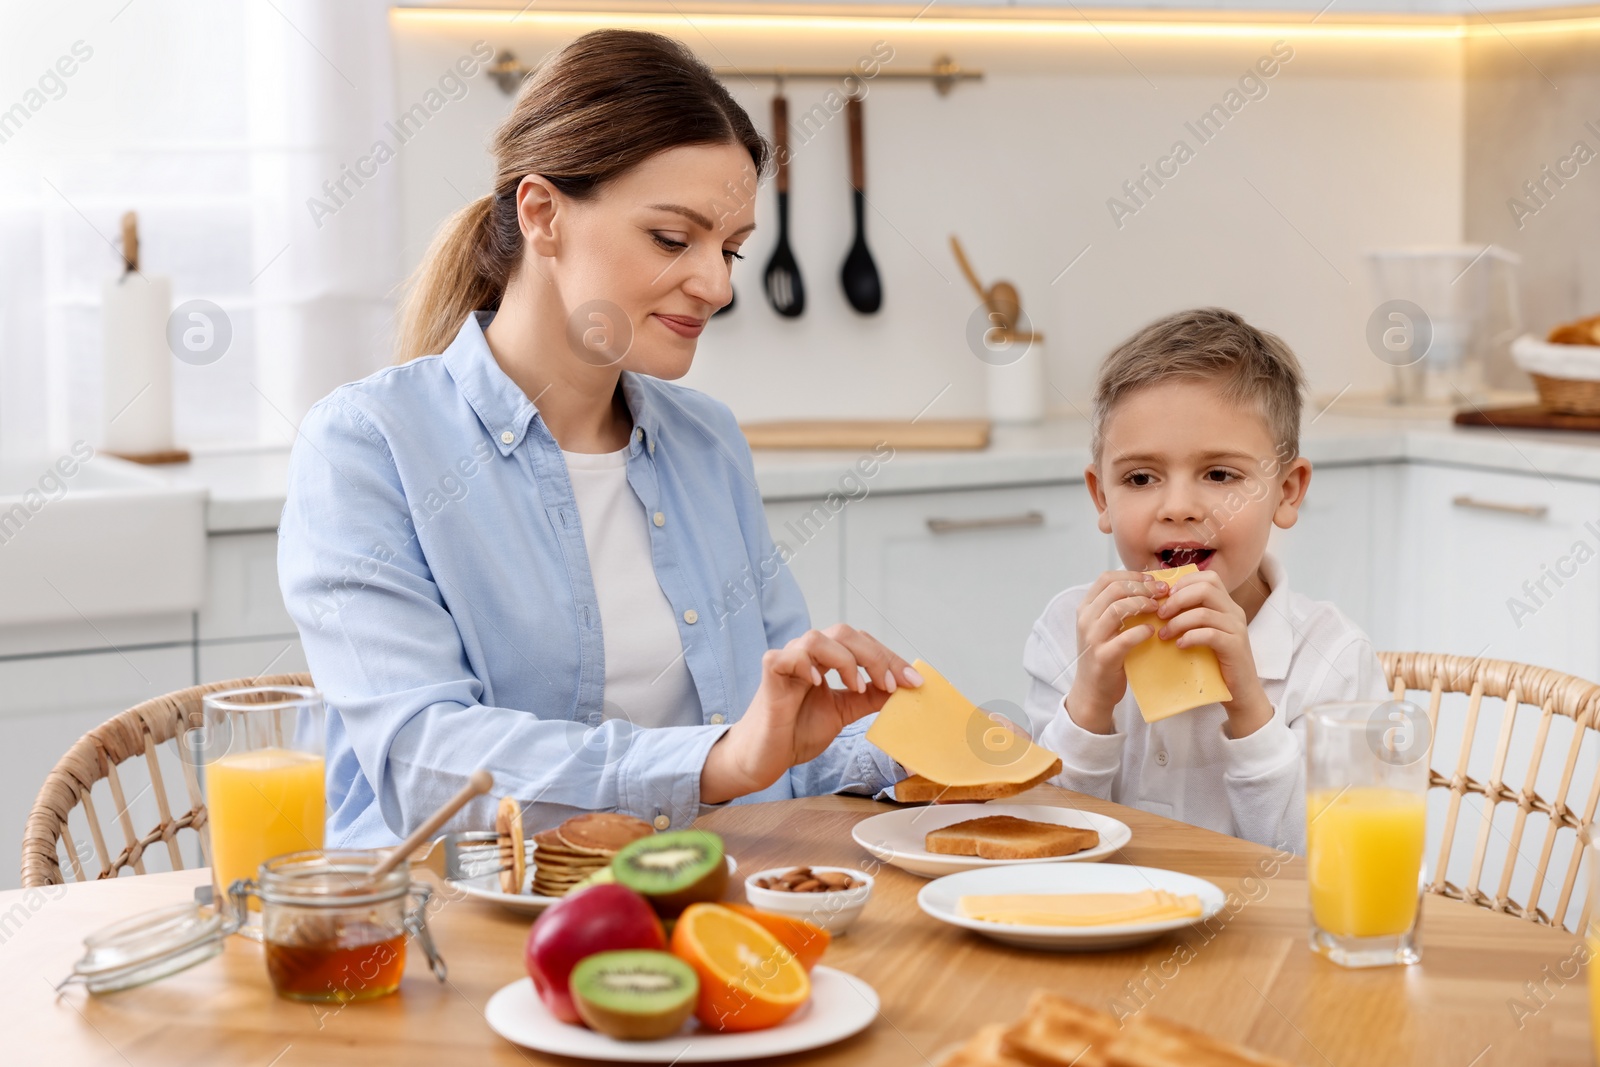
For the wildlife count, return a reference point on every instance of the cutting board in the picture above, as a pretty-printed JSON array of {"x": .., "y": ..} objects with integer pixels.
[
  {"x": 1526, "y": 417},
  {"x": 868, "y": 433}
]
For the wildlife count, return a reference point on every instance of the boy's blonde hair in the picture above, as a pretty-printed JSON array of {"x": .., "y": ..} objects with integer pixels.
[{"x": 1215, "y": 345}]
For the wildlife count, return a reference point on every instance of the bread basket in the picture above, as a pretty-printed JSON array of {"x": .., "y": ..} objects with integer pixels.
[{"x": 1566, "y": 375}]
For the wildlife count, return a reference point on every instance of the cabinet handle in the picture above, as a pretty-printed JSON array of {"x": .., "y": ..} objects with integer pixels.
[
  {"x": 993, "y": 522},
  {"x": 1532, "y": 511}
]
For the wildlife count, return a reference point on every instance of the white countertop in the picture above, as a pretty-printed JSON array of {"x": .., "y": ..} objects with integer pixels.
[{"x": 247, "y": 487}]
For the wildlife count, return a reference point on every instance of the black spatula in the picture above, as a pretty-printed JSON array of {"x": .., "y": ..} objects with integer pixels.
[
  {"x": 785, "y": 290},
  {"x": 859, "y": 274}
]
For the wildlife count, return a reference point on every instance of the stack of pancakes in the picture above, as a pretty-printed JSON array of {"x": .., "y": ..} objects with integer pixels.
[{"x": 579, "y": 847}]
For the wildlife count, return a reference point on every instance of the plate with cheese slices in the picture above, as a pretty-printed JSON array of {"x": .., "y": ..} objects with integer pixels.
[
  {"x": 948, "y": 838},
  {"x": 1071, "y": 907}
]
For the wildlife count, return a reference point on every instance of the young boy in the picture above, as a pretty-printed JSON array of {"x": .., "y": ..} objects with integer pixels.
[{"x": 1196, "y": 457}]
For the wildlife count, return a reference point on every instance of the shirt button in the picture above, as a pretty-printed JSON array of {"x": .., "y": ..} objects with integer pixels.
[
  {"x": 691, "y": 616},
  {"x": 652, "y": 446},
  {"x": 662, "y": 822},
  {"x": 718, "y": 719},
  {"x": 507, "y": 437},
  {"x": 659, "y": 519},
  {"x": 1161, "y": 759},
  {"x": 639, "y": 433}
]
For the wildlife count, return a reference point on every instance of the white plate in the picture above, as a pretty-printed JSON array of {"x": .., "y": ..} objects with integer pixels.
[
  {"x": 487, "y": 887},
  {"x": 940, "y": 898},
  {"x": 898, "y": 837},
  {"x": 840, "y": 1005}
]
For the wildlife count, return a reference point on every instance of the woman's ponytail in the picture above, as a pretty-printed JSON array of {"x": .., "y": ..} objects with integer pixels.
[
  {"x": 603, "y": 105},
  {"x": 465, "y": 268}
]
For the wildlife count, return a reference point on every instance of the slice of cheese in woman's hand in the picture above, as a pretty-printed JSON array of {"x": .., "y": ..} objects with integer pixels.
[
  {"x": 936, "y": 732},
  {"x": 1166, "y": 679}
]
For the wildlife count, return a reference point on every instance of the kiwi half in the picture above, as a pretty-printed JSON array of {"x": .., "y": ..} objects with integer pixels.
[
  {"x": 634, "y": 995},
  {"x": 673, "y": 870}
]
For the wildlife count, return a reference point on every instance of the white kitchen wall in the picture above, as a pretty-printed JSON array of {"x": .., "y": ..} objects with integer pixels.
[
  {"x": 1528, "y": 112},
  {"x": 1356, "y": 143}
]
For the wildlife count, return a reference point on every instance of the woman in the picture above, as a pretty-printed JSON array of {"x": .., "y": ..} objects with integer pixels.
[{"x": 531, "y": 553}]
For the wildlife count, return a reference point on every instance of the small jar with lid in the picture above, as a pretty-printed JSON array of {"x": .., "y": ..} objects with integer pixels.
[{"x": 331, "y": 933}]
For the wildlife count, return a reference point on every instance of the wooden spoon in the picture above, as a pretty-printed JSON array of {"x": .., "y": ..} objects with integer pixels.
[
  {"x": 1001, "y": 298},
  {"x": 477, "y": 785}
]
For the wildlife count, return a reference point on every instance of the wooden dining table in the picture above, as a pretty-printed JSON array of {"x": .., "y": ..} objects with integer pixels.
[{"x": 1490, "y": 990}]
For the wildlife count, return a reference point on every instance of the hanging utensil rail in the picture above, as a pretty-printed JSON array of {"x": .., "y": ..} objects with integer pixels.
[
  {"x": 508, "y": 72},
  {"x": 944, "y": 73}
]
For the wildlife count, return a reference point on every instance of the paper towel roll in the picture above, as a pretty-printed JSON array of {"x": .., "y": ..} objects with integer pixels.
[{"x": 138, "y": 365}]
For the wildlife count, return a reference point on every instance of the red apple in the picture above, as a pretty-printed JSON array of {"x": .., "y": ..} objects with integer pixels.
[{"x": 597, "y": 919}]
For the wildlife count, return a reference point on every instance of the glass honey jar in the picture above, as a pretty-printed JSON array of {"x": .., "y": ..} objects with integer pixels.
[{"x": 331, "y": 934}]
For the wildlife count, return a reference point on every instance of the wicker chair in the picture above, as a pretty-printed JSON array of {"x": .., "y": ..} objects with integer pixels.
[
  {"x": 95, "y": 757},
  {"x": 1554, "y": 695}
]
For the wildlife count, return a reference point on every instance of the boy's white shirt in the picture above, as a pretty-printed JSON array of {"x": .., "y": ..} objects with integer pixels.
[{"x": 1186, "y": 767}]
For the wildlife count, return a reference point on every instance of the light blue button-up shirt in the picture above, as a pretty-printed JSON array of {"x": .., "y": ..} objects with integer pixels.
[{"x": 432, "y": 558}]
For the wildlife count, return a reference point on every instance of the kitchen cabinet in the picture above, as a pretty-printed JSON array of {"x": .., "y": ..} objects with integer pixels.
[
  {"x": 1332, "y": 552},
  {"x": 958, "y": 578},
  {"x": 97, "y": 635},
  {"x": 52, "y": 701},
  {"x": 1422, "y": 554},
  {"x": 1500, "y": 565},
  {"x": 808, "y": 533},
  {"x": 242, "y": 597},
  {"x": 217, "y": 661},
  {"x": 242, "y": 629},
  {"x": 1505, "y": 566}
]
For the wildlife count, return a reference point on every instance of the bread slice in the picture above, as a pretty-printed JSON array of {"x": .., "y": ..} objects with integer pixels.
[
  {"x": 1005, "y": 837},
  {"x": 984, "y": 1049},
  {"x": 916, "y": 789},
  {"x": 1057, "y": 1032},
  {"x": 1152, "y": 1042}
]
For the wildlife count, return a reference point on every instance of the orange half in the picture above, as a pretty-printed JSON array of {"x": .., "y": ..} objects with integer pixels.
[
  {"x": 807, "y": 941},
  {"x": 748, "y": 979}
]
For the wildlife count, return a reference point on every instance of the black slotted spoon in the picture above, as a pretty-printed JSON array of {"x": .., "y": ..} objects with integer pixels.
[
  {"x": 859, "y": 275},
  {"x": 785, "y": 290}
]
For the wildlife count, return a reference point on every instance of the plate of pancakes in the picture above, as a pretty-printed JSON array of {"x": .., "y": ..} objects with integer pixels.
[{"x": 533, "y": 873}]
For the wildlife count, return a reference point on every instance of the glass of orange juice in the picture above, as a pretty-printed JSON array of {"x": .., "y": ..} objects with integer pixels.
[
  {"x": 1366, "y": 817},
  {"x": 260, "y": 754}
]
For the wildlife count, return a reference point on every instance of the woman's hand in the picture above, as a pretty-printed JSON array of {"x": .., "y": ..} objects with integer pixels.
[{"x": 796, "y": 714}]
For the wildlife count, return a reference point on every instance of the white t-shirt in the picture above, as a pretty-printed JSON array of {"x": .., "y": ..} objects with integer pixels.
[
  {"x": 647, "y": 681},
  {"x": 1186, "y": 767}
]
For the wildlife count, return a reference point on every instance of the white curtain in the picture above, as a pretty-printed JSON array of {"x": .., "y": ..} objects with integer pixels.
[{"x": 231, "y": 127}]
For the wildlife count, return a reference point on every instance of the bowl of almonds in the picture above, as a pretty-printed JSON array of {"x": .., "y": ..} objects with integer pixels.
[{"x": 829, "y": 897}]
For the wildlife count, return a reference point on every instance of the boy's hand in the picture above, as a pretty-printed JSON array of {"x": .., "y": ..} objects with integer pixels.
[
  {"x": 1103, "y": 645},
  {"x": 1199, "y": 612}
]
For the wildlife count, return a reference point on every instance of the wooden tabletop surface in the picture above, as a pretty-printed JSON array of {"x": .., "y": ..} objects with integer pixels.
[{"x": 1468, "y": 1004}]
